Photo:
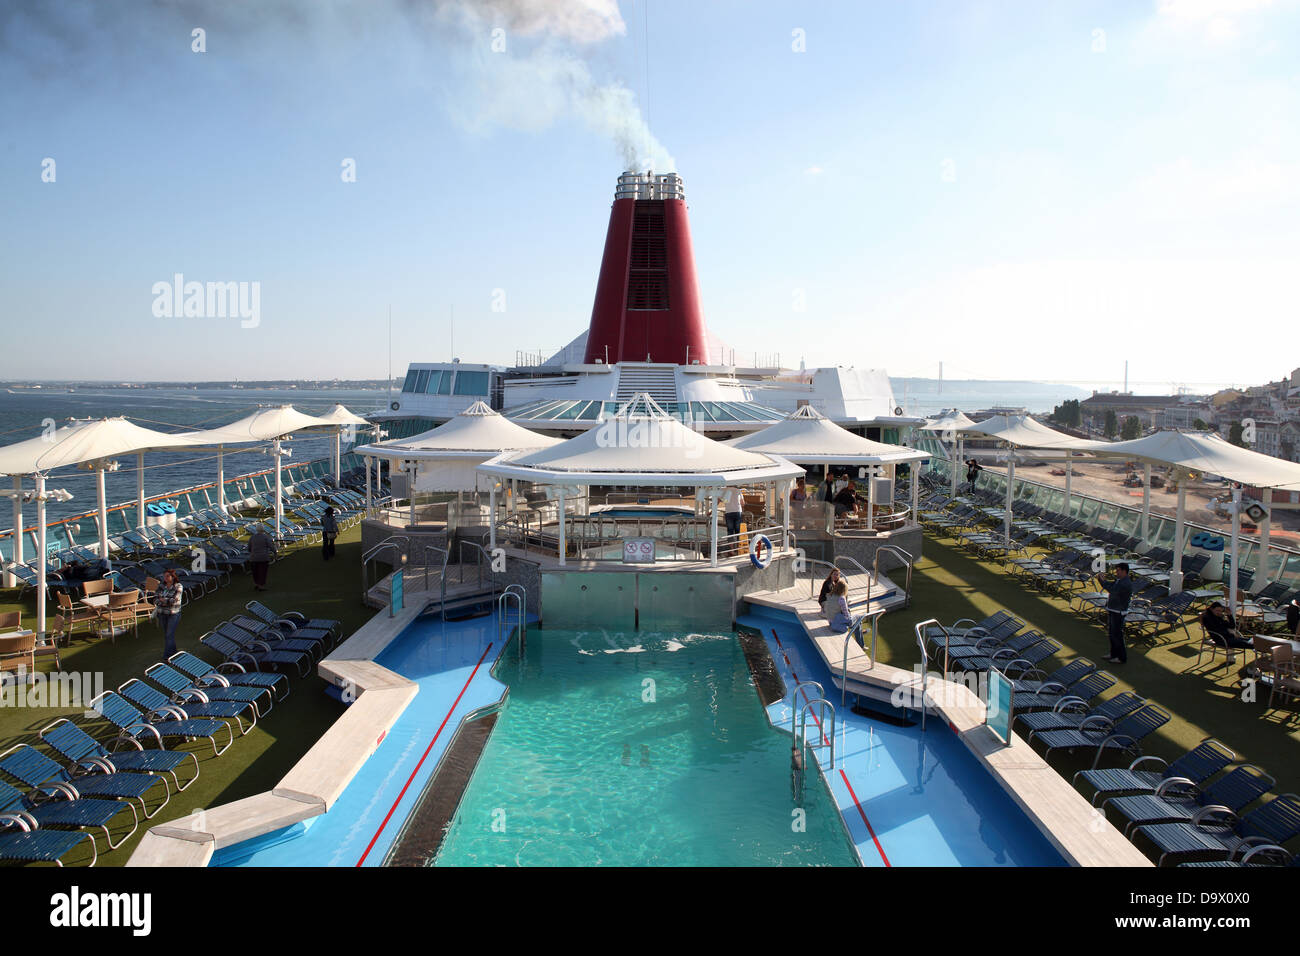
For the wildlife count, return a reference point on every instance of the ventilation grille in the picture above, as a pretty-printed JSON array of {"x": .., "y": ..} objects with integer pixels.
[
  {"x": 659, "y": 381},
  {"x": 647, "y": 281}
]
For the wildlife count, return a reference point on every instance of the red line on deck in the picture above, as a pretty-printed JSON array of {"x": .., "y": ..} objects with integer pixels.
[{"x": 393, "y": 808}]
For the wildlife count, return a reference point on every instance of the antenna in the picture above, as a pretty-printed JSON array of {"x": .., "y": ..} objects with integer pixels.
[
  {"x": 451, "y": 313},
  {"x": 390, "y": 355}
]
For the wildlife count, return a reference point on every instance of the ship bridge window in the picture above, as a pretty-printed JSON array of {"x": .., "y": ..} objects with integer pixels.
[
  {"x": 471, "y": 383},
  {"x": 444, "y": 386},
  {"x": 435, "y": 379},
  {"x": 421, "y": 380},
  {"x": 409, "y": 384}
]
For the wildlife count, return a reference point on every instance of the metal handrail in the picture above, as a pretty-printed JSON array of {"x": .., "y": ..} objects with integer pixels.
[
  {"x": 516, "y": 594},
  {"x": 857, "y": 627},
  {"x": 919, "y": 629},
  {"x": 366, "y": 558},
  {"x": 907, "y": 560},
  {"x": 854, "y": 561},
  {"x": 443, "y": 552},
  {"x": 801, "y": 734}
]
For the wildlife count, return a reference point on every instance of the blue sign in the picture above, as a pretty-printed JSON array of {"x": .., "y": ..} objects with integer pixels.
[
  {"x": 396, "y": 591},
  {"x": 1000, "y": 703}
]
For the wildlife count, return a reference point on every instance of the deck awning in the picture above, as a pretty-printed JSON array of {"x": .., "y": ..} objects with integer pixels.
[
  {"x": 642, "y": 446},
  {"x": 809, "y": 437},
  {"x": 1205, "y": 453},
  {"x": 1022, "y": 431},
  {"x": 265, "y": 424},
  {"x": 80, "y": 442}
]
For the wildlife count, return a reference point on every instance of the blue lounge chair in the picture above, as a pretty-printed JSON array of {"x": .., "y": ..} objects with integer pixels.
[
  {"x": 294, "y": 619},
  {"x": 130, "y": 722},
  {"x": 1072, "y": 712},
  {"x": 274, "y": 639},
  {"x": 1216, "y": 833},
  {"x": 1124, "y": 735},
  {"x": 60, "y": 809},
  {"x": 181, "y": 689},
  {"x": 1197, "y": 765},
  {"x": 233, "y": 675},
  {"x": 34, "y": 845},
  {"x": 84, "y": 752},
  {"x": 256, "y": 654},
  {"x": 159, "y": 706},
  {"x": 1177, "y": 798}
]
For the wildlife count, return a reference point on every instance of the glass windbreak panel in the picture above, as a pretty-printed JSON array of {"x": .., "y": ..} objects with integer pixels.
[
  {"x": 421, "y": 380},
  {"x": 409, "y": 384},
  {"x": 570, "y": 413},
  {"x": 444, "y": 386},
  {"x": 435, "y": 379},
  {"x": 1106, "y": 515},
  {"x": 701, "y": 412},
  {"x": 719, "y": 413},
  {"x": 1055, "y": 501},
  {"x": 1128, "y": 521},
  {"x": 1290, "y": 575},
  {"x": 471, "y": 383},
  {"x": 589, "y": 412}
]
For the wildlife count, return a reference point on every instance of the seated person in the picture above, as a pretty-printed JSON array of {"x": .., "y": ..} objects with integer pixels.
[
  {"x": 839, "y": 604},
  {"x": 824, "y": 599},
  {"x": 800, "y": 490},
  {"x": 846, "y": 500},
  {"x": 1222, "y": 628}
]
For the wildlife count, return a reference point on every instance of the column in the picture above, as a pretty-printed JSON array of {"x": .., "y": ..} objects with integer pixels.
[
  {"x": 1011, "y": 480},
  {"x": 40, "y": 557},
  {"x": 492, "y": 517},
  {"x": 139, "y": 489},
  {"x": 1236, "y": 548},
  {"x": 221, "y": 477},
  {"x": 338, "y": 454},
  {"x": 102, "y": 502},
  {"x": 279, "y": 488},
  {"x": 563, "y": 542},
  {"x": 1146, "y": 504},
  {"x": 914, "y": 472},
  {"x": 10, "y": 580},
  {"x": 369, "y": 495},
  {"x": 1176, "y": 575},
  {"x": 1262, "y": 573},
  {"x": 871, "y": 497},
  {"x": 1069, "y": 480},
  {"x": 713, "y": 529}
]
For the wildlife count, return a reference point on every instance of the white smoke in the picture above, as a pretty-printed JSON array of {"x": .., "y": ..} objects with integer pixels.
[{"x": 540, "y": 79}]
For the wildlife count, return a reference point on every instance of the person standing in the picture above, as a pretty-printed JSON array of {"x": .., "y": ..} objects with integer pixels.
[
  {"x": 329, "y": 530},
  {"x": 733, "y": 509},
  {"x": 167, "y": 599},
  {"x": 973, "y": 469},
  {"x": 1121, "y": 592},
  {"x": 261, "y": 549}
]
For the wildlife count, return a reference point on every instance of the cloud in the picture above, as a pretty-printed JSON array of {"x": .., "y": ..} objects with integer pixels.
[{"x": 813, "y": 171}]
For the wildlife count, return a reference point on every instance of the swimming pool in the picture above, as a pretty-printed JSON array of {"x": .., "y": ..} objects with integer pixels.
[
  {"x": 637, "y": 749},
  {"x": 628, "y": 512}
]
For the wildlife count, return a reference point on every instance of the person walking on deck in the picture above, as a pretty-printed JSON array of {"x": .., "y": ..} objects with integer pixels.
[
  {"x": 261, "y": 549},
  {"x": 329, "y": 530}
]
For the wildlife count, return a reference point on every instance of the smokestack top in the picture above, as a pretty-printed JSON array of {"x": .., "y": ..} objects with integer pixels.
[{"x": 649, "y": 185}]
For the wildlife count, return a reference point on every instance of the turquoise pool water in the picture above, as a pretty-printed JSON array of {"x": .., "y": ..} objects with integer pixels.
[{"x": 638, "y": 749}]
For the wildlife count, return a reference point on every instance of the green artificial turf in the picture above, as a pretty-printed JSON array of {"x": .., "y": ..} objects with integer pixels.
[
  {"x": 1205, "y": 701},
  {"x": 299, "y": 581}
]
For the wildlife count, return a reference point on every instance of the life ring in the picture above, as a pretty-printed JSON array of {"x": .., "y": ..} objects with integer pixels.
[
  {"x": 395, "y": 405},
  {"x": 756, "y": 553}
]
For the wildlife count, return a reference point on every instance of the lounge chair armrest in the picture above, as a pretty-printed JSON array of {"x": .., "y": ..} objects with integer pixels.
[
  {"x": 100, "y": 763},
  {"x": 143, "y": 726},
  {"x": 1066, "y": 703},
  {"x": 1212, "y": 811},
  {"x": 25, "y": 821},
  {"x": 1161, "y": 761},
  {"x": 1176, "y": 783},
  {"x": 1270, "y": 849},
  {"x": 1096, "y": 722},
  {"x": 195, "y": 694},
  {"x": 262, "y": 645},
  {"x": 1053, "y": 687}
]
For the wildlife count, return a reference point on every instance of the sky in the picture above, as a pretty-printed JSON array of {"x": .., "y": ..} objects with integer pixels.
[{"x": 1017, "y": 190}]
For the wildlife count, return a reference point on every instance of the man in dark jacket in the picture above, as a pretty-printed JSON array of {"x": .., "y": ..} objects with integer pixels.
[
  {"x": 1121, "y": 592},
  {"x": 973, "y": 469},
  {"x": 329, "y": 530}
]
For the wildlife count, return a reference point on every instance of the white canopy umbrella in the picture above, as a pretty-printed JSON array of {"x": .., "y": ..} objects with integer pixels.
[
  {"x": 1022, "y": 431},
  {"x": 93, "y": 443},
  {"x": 265, "y": 424},
  {"x": 1207, "y": 453},
  {"x": 950, "y": 427},
  {"x": 643, "y": 446},
  {"x": 340, "y": 416},
  {"x": 445, "y": 457},
  {"x": 808, "y": 437}
]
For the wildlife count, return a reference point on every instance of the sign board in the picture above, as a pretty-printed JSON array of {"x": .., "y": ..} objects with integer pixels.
[
  {"x": 639, "y": 551},
  {"x": 395, "y": 604},
  {"x": 1000, "y": 703}
]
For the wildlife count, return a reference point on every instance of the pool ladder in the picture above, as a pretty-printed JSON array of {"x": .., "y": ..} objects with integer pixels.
[
  {"x": 799, "y": 728},
  {"x": 512, "y": 607}
]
